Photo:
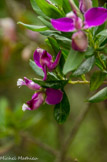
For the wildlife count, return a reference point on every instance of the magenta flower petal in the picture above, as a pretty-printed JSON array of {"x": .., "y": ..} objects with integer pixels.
[
  {"x": 54, "y": 96},
  {"x": 45, "y": 72},
  {"x": 29, "y": 83},
  {"x": 63, "y": 24},
  {"x": 37, "y": 54},
  {"x": 44, "y": 60},
  {"x": 56, "y": 62},
  {"x": 35, "y": 102},
  {"x": 95, "y": 17},
  {"x": 42, "y": 57}
]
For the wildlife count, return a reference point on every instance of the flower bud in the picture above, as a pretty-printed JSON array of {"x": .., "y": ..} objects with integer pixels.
[
  {"x": 84, "y": 5},
  {"x": 79, "y": 41},
  {"x": 29, "y": 83},
  {"x": 36, "y": 101}
]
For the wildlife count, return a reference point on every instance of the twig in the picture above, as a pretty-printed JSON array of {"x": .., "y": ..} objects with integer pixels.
[
  {"x": 4, "y": 149},
  {"x": 44, "y": 146},
  {"x": 103, "y": 114},
  {"x": 40, "y": 144},
  {"x": 73, "y": 132},
  {"x": 82, "y": 82}
]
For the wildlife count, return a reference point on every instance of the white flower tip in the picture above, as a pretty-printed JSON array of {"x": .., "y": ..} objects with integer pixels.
[
  {"x": 40, "y": 50},
  {"x": 24, "y": 107},
  {"x": 70, "y": 14},
  {"x": 20, "y": 82}
]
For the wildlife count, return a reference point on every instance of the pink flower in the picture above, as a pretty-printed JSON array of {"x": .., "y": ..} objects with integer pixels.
[
  {"x": 92, "y": 17},
  {"x": 49, "y": 95},
  {"x": 44, "y": 61}
]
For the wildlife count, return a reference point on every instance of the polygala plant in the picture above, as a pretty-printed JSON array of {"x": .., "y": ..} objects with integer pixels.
[{"x": 76, "y": 33}]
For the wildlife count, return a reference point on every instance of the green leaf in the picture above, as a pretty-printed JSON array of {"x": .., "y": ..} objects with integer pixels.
[
  {"x": 54, "y": 45},
  {"x": 56, "y": 49},
  {"x": 49, "y": 32},
  {"x": 97, "y": 79},
  {"x": 37, "y": 9},
  {"x": 85, "y": 67},
  {"x": 89, "y": 52},
  {"x": 56, "y": 84},
  {"x": 63, "y": 41},
  {"x": 102, "y": 41},
  {"x": 49, "y": 9},
  {"x": 57, "y": 2},
  {"x": 99, "y": 96},
  {"x": 102, "y": 36},
  {"x": 103, "y": 33},
  {"x": 66, "y": 6},
  {"x": 34, "y": 27},
  {"x": 98, "y": 29},
  {"x": 95, "y": 3},
  {"x": 51, "y": 76},
  {"x": 99, "y": 64},
  {"x": 61, "y": 110},
  {"x": 46, "y": 22},
  {"x": 74, "y": 59},
  {"x": 36, "y": 68}
]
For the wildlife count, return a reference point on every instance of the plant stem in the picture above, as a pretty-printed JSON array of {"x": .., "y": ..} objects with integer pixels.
[
  {"x": 82, "y": 82},
  {"x": 4, "y": 149},
  {"x": 102, "y": 62},
  {"x": 73, "y": 133},
  {"x": 92, "y": 43},
  {"x": 40, "y": 143},
  {"x": 78, "y": 82}
]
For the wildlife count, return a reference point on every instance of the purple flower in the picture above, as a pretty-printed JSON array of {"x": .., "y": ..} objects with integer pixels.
[
  {"x": 53, "y": 96},
  {"x": 84, "y": 5},
  {"x": 37, "y": 99},
  {"x": 93, "y": 17},
  {"x": 44, "y": 61},
  {"x": 29, "y": 83},
  {"x": 49, "y": 95},
  {"x": 79, "y": 41}
]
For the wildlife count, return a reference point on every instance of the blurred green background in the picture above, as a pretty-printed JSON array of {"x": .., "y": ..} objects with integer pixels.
[{"x": 17, "y": 128}]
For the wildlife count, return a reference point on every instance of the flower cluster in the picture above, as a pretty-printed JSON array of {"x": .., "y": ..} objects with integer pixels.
[
  {"x": 72, "y": 22},
  {"x": 49, "y": 95},
  {"x": 79, "y": 21}
]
